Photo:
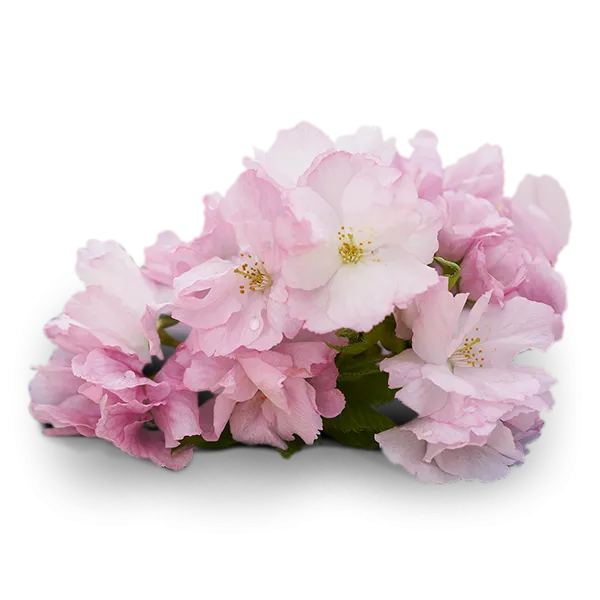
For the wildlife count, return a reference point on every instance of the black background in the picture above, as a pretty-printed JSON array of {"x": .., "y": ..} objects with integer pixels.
[{"x": 85, "y": 489}]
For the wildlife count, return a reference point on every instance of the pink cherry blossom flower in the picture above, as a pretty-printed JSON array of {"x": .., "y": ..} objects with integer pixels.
[
  {"x": 497, "y": 265},
  {"x": 480, "y": 174},
  {"x": 240, "y": 302},
  {"x": 319, "y": 235},
  {"x": 292, "y": 153},
  {"x": 267, "y": 397},
  {"x": 99, "y": 394},
  {"x": 158, "y": 267},
  {"x": 486, "y": 458},
  {"x": 371, "y": 241},
  {"x": 506, "y": 267},
  {"x": 143, "y": 417},
  {"x": 540, "y": 212},
  {"x": 469, "y": 353},
  {"x": 216, "y": 238},
  {"x": 452, "y": 419},
  {"x": 169, "y": 257},
  {"x": 295, "y": 150},
  {"x": 56, "y": 400},
  {"x": 118, "y": 308},
  {"x": 369, "y": 141},
  {"x": 424, "y": 166},
  {"x": 480, "y": 171},
  {"x": 449, "y": 418},
  {"x": 466, "y": 219}
]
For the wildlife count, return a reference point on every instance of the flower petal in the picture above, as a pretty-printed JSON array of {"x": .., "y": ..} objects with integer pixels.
[
  {"x": 313, "y": 268},
  {"x": 268, "y": 379},
  {"x": 249, "y": 425},
  {"x": 293, "y": 152},
  {"x": 437, "y": 320},
  {"x": 402, "y": 368},
  {"x": 521, "y": 325},
  {"x": 423, "y": 396},
  {"x": 402, "y": 447},
  {"x": 108, "y": 266},
  {"x": 474, "y": 462}
]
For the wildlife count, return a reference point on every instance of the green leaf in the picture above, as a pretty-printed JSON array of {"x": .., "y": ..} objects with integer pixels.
[
  {"x": 293, "y": 446},
  {"x": 357, "y": 439},
  {"x": 363, "y": 384},
  {"x": 354, "y": 367},
  {"x": 449, "y": 269},
  {"x": 388, "y": 337},
  {"x": 225, "y": 441},
  {"x": 352, "y": 335},
  {"x": 447, "y": 265},
  {"x": 370, "y": 390},
  {"x": 356, "y": 374},
  {"x": 359, "y": 417},
  {"x": 353, "y": 348},
  {"x": 358, "y": 342}
]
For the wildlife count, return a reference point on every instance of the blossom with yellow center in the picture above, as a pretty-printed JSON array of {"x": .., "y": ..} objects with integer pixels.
[
  {"x": 255, "y": 273},
  {"x": 350, "y": 249},
  {"x": 469, "y": 353}
]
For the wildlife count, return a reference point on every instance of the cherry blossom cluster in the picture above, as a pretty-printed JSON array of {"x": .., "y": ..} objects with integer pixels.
[{"x": 338, "y": 290}]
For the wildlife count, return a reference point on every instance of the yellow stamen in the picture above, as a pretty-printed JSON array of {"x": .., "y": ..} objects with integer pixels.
[
  {"x": 351, "y": 250},
  {"x": 256, "y": 275},
  {"x": 468, "y": 354}
]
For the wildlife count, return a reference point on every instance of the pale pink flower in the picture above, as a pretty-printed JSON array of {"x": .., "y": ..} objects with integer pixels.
[
  {"x": 369, "y": 141},
  {"x": 292, "y": 153},
  {"x": 56, "y": 400},
  {"x": 448, "y": 414},
  {"x": 267, "y": 397},
  {"x": 371, "y": 241},
  {"x": 103, "y": 393},
  {"x": 313, "y": 354},
  {"x": 480, "y": 171},
  {"x": 485, "y": 458},
  {"x": 118, "y": 308},
  {"x": 451, "y": 419},
  {"x": 424, "y": 166},
  {"x": 145, "y": 417},
  {"x": 169, "y": 257},
  {"x": 242, "y": 301},
  {"x": 466, "y": 219},
  {"x": 295, "y": 150},
  {"x": 158, "y": 265},
  {"x": 540, "y": 212},
  {"x": 470, "y": 352},
  {"x": 480, "y": 174},
  {"x": 506, "y": 267},
  {"x": 217, "y": 239}
]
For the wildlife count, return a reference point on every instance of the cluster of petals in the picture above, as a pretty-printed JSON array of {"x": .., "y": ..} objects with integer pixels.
[
  {"x": 461, "y": 379},
  {"x": 95, "y": 383},
  {"x": 318, "y": 235},
  {"x": 266, "y": 397}
]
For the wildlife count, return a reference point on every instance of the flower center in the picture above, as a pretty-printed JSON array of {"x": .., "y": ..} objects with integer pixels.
[
  {"x": 469, "y": 354},
  {"x": 255, "y": 275},
  {"x": 350, "y": 249}
]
